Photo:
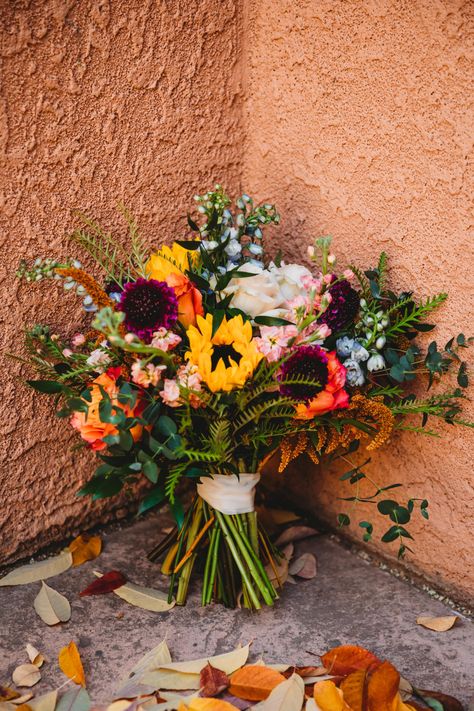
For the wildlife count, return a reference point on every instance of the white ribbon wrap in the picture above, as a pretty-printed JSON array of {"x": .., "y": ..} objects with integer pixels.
[{"x": 229, "y": 494}]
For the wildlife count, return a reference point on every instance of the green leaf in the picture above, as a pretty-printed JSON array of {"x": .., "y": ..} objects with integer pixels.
[
  {"x": 46, "y": 386},
  {"x": 150, "y": 470},
  {"x": 387, "y": 506},
  {"x": 400, "y": 515},
  {"x": 166, "y": 426},
  {"x": 178, "y": 512},
  {"x": 424, "y": 327},
  {"x": 272, "y": 321},
  {"x": 194, "y": 228},
  {"x": 463, "y": 380},
  {"x": 217, "y": 318},
  {"x": 125, "y": 440},
  {"x": 343, "y": 519},
  {"x": 153, "y": 498}
]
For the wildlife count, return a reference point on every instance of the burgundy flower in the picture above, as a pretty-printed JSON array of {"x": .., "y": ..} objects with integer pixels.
[
  {"x": 343, "y": 307},
  {"x": 309, "y": 362},
  {"x": 148, "y": 305}
]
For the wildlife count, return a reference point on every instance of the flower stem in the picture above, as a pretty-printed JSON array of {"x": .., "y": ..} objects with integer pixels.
[{"x": 235, "y": 554}]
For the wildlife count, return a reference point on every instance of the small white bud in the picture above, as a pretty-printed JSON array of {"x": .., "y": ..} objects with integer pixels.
[{"x": 380, "y": 342}]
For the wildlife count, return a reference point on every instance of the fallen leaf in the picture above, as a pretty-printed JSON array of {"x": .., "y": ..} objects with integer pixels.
[
  {"x": 151, "y": 660},
  {"x": 405, "y": 689},
  {"x": 328, "y": 697},
  {"x": 7, "y": 694},
  {"x": 107, "y": 583},
  {"x": 46, "y": 702},
  {"x": 437, "y": 624},
  {"x": 254, "y": 682},
  {"x": 347, "y": 658},
  {"x": 210, "y": 705},
  {"x": 74, "y": 700},
  {"x": 304, "y": 672},
  {"x": 295, "y": 533},
  {"x": 287, "y": 696},
  {"x": 170, "y": 679},
  {"x": 304, "y": 566},
  {"x": 84, "y": 548},
  {"x": 228, "y": 662},
  {"x": 382, "y": 688},
  {"x": 170, "y": 701},
  {"x": 278, "y": 575},
  {"x": 71, "y": 665},
  {"x": 354, "y": 689},
  {"x": 51, "y": 606},
  {"x": 449, "y": 703},
  {"x": 145, "y": 598},
  {"x": 241, "y": 704},
  {"x": 213, "y": 681},
  {"x": 26, "y": 675},
  {"x": 134, "y": 688},
  {"x": 34, "y": 656},
  {"x": 23, "y": 699},
  {"x": 40, "y": 570}
]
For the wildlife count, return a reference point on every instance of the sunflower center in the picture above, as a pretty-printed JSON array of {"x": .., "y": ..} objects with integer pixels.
[{"x": 224, "y": 352}]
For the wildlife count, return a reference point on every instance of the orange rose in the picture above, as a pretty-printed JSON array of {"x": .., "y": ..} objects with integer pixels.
[
  {"x": 189, "y": 298},
  {"x": 333, "y": 397},
  {"x": 89, "y": 424}
]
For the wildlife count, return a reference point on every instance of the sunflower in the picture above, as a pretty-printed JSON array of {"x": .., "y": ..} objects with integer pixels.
[{"x": 226, "y": 359}]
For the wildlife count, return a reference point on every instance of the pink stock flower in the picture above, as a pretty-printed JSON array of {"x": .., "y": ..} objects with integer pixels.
[
  {"x": 170, "y": 393},
  {"x": 78, "y": 340},
  {"x": 273, "y": 341},
  {"x": 189, "y": 377},
  {"x": 165, "y": 340},
  {"x": 348, "y": 274},
  {"x": 146, "y": 375},
  {"x": 67, "y": 352}
]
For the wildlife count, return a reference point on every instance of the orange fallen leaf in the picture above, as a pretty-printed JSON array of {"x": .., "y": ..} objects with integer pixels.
[
  {"x": 348, "y": 658},
  {"x": 71, "y": 665},
  {"x": 383, "y": 687},
  {"x": 254, "y": 682},
  {"x": 437, "y": 624},
  {"x": 84, "y": 548},
  {"x": 328, "y": 697},
  {"x": 353, "y": 688}
]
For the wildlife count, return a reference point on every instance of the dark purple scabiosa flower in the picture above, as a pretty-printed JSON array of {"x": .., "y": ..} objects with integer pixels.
[
  {"x": 343, "y": 307},
  {"x": 148, "y": 305},
  {"x": 310, "y": 363}
]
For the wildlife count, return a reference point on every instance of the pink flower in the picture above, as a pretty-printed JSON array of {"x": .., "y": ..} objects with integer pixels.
[
  {"x": 348, "y": 274},
  {"x": 170, "y": 393},
  {"x": 189, "y": 378},
  {"x": 273, "y": 341},
  {"x": 78, "y": 340},
  {"x": 146, "y": 375},
  {"x": 67, "y": 352},
  {"x": 165, "y": 340}
]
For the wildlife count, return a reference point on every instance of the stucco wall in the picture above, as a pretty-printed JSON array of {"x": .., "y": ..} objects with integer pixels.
[
  {"x": 131, "y": 100},
  {"x": 358, "y": 125}
]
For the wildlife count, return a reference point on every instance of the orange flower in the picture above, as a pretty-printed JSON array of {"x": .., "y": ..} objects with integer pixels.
[
  {"x": 89, "y": 424},
  {"x": 169, "y": 265},
  {"x": 333, "y": 397}
]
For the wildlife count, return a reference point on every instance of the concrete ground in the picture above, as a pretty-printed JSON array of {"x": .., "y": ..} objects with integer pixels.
[{"x": 349, "y": 601}]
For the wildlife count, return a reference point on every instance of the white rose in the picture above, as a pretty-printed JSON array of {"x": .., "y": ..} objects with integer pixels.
[
  {"x": 288, "y": 277},
  {"x": 255, "y": 295}
]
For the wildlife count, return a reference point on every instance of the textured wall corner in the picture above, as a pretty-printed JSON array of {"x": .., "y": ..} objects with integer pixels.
[
  {"x": 357, "y": 125},
  {"x": 133, "y": 101}
]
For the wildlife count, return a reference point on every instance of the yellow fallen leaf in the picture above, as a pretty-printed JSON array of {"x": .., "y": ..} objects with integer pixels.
[
  {"x": 84, "y": 548},
  {"x": 228, "y": 662},
  {"x": 437, "y": 624},
  {"x": 51, "y": 606},
  {"x": 71, "y": 665},
  {"x": 328, "y": 697},
  {"x": 26, "y": 675},
  {"x": 210, "y": 705},
  {"x": 23, "y": 699},
  {"x": 146, "y": 598},
  {"x": 40, "y": 570},
  {"x": 34, "y": 655},
  {"x": 7, "y": 694},
  {"x": 46, "y": 702}
]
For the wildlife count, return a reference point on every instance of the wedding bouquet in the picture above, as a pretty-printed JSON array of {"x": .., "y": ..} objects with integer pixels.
[{"x": 205, "y": 357}]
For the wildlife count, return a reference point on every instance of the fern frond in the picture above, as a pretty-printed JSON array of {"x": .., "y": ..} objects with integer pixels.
[
  {"x": 103, "y": 248},
  {"x": 382, "y": 270},
  {"x": 411, "y": 316},
  {"x": 363, "y": 281},
  {"x": 138, "y": 254},
  {"x": 254, "y": 413}
]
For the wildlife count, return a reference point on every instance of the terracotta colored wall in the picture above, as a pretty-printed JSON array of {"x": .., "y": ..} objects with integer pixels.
[
  {"x": 358, "y": 124},
  {"x": 132, "y": 100}
]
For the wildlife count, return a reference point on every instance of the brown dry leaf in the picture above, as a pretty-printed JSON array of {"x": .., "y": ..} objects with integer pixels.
[
  {"x": 26, "y": 675},
  {"x": 347, "y": 658},
  {"x": 213, "y": 681},
  {"x": 34, "y": 656},
  {"x": 84, "y": 548},
  {"x": 71, "y": 665},
  {"x": 353, "y": 688},
  {"x": 304, "y": 567},
  {"x": 383, "y": 688},
  {"x": 295, "y": 533},
  {"x": 254, "y": 682},
  {"x": 437, "y": 624},
  {"x": 7, "y": 694}
]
